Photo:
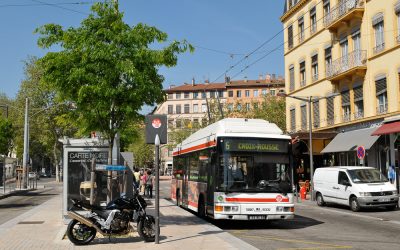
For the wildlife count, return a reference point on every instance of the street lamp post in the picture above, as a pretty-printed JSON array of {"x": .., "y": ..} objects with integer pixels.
[{"x": 311, "y": 148}]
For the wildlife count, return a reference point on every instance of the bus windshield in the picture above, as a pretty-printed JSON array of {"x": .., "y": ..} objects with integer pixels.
[{"x": 255, "y": 165}]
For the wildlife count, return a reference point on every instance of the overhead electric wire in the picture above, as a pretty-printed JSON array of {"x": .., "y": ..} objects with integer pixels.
[
  {"x": 275, "y": 49},
  {"x": 60, "y": 7},
  {"x": 259, "y": 47}
]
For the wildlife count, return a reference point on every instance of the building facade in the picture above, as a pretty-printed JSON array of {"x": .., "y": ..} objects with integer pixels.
[
  {"x": 247, "y": 94},
  {"x": 343, "y": 56},
  {"x": 186, "y": 106}
]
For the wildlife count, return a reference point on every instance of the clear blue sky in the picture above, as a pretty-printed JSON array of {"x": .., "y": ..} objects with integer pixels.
[{"x": 229, "y": 27}]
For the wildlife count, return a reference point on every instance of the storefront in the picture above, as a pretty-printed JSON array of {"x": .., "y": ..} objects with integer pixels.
[{"x": 390, "y": 129}]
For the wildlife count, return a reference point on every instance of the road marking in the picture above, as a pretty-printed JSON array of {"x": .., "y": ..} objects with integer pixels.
[{"x": 323, "y": 245}]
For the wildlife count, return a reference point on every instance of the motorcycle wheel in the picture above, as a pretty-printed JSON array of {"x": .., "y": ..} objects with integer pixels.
[
  {"x": 79, "y": 233},
  {"x": 147, "y": 229}
]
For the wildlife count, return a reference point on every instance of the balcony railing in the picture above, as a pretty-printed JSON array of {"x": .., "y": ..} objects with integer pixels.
[
  {"x": 303, "y": 83},
  {"x": 315, "y": 77},
  {"x": 381, "y": 109},
  {"x": 358, "y": 115},
  {"x": 301, "y": 37},
  {"x": 341, "y": 10},
  {"x": 354, "y": 59},
  {"x": 379, "y": 48},
  {"x": 313, "y": 28},
  {"x": 346, "y": 117}
]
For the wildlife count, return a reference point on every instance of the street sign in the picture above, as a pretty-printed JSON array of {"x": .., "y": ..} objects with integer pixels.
[
  {"x": 156, "y": 125},
  {"x": 110, "y": 167},
  {"x": 360, "y": 152}
]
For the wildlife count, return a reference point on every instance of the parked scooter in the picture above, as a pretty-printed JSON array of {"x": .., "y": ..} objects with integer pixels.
[{"x": 114, "y": 219}]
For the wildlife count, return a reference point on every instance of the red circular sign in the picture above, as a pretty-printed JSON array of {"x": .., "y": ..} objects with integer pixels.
[
  {"x": 279, "y": 198},
  {"x": 360, "y": 152},
  {"x": 156, "y": 123}
]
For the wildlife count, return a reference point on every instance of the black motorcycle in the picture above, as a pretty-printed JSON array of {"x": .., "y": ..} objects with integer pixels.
[{"x": 114, "y": 219}]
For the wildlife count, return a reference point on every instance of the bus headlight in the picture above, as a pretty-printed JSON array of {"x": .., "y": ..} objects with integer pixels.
[
  {"x": 231, "y": 209},
  {"x": 365, "y": 194}
]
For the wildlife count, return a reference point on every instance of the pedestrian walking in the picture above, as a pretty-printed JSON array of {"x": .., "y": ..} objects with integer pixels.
[
  {"x": 149, "y": 184},
  {"x": 136, "y": 178},
  {"x": 143, "y": 181},
  {"x": 391, "y": 174}
]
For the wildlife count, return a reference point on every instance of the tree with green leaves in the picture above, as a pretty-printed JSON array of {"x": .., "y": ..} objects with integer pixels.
[
  {"x": 143, "y": 153},
  {"x": 6, "y": 136},
  {"x": 107, "y": 68},
  {"x": 270, "y": 108},
  {"x": 49, "y": 118}
]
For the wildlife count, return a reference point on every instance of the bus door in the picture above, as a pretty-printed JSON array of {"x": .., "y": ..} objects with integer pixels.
[
  {"x": 185, "y": 180},
  {"x": 211, "y": 173}
]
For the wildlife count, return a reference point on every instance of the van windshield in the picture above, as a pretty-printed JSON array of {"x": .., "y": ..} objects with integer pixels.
[{"x": 366, "y": 176}]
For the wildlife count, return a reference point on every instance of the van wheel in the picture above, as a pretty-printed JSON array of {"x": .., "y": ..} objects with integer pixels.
[
  {"x": 320, "y": 200},
  {"x": 354, "y": 205}
]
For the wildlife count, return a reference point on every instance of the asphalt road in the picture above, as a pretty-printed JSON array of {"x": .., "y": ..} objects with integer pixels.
[
  {"x": 18, "y": 204},
  {"x": 332, "y": 227}
]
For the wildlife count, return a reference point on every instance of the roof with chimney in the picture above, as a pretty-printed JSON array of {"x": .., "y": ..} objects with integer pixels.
[
  {"x": 196, "y": 87},
  {"x": 265, "y": 82}
]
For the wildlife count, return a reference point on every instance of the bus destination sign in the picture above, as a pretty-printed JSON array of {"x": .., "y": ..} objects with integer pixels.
[{"x": 243, "y": 145}]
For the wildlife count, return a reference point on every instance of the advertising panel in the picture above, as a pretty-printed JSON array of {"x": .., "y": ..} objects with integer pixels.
[{"x": 79, "y": 165}]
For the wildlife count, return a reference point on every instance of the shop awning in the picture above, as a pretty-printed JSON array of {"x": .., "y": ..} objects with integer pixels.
[
  {"x": 388, "y": 128},
  {"x": 349, "y": 141}
]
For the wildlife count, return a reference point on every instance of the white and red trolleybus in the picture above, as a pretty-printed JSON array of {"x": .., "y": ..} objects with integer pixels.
[{"x": 235, "y": 169}]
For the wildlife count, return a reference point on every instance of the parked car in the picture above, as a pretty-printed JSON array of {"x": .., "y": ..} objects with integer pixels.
[
  {"x": 44, "y": 175},
  {"x": 354, "y": 186},
  {"x": 33, "y": 175}
]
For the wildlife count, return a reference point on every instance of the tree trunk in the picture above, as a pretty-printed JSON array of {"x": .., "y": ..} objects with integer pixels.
[{"x": 109, "y": 173}]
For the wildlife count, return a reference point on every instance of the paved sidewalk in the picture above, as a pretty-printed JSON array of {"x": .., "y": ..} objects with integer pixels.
[{"x": 43, "y": 228}]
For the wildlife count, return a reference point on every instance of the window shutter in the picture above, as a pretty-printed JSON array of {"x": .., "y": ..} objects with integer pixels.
[
  {"x": 293, "y": 120},
  {"x": 377, "y": 19},
  {"x": 397, "y": 7},
  {"x": 328, "y": 52},
  {"x": 291, "y": 76},
  {"x": 358, "y": 94},
  {"x": 380, "y": 86},
  {"x": 345, "y": 98},
  {"x": 316, "y": 114},
  {"x": 290, "y": 36},
  {"x": 303, "y": 117},
  {"x": 314, "y": 60},
  {"x": 330, "y": 110}
]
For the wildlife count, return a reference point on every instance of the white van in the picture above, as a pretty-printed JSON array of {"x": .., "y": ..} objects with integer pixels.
[{"x": 356, "y": 187}]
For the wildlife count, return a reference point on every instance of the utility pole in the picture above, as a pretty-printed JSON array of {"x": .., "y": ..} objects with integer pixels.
[{"x": 26, "y": 146}]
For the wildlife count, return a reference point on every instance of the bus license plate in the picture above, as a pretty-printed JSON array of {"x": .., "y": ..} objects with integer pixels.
[{"x": 257, "y": 217}]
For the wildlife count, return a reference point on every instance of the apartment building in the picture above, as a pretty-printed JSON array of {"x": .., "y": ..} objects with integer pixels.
[
  {"x": 186, "y": 105},
  {"x": 247, "y": 94},
  {"x": 342, "y": 55}
]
